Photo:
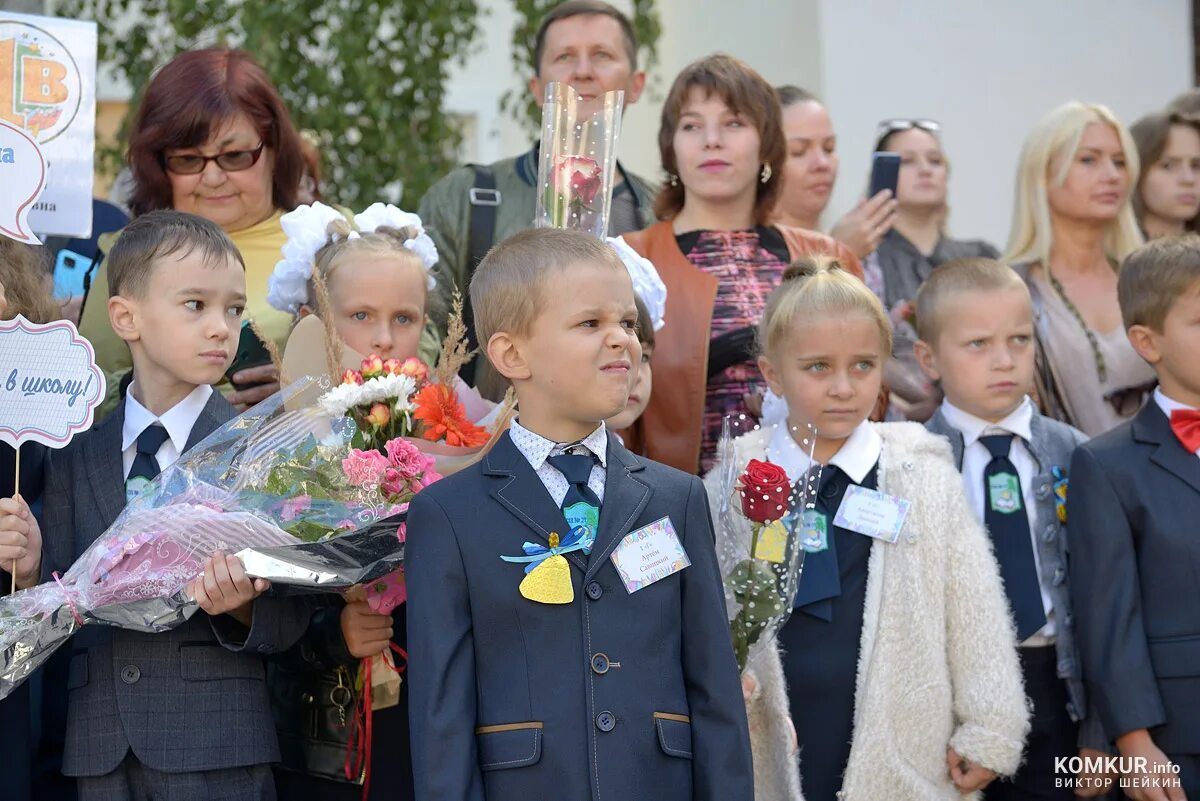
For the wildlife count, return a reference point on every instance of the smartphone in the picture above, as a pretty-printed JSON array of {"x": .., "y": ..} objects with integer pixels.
[
  {"x": 251, "y": 352},
  {"x": 69, "y": 271},
  {"x": 885, "y": 173}
]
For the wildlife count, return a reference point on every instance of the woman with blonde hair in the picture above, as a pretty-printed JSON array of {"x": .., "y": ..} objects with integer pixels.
[{"x": 1073, "y": 225}]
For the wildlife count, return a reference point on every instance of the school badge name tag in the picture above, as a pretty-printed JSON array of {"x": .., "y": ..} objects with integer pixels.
[
  {"x": 649, "y": 554},
  {"x": 869, "y": 512},
  {"x": 1004, "y": 493}
]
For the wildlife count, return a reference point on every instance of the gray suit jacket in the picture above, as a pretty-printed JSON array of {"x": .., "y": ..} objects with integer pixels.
[
  {"x": 190, "y": 699},
  {"x": 1052, "y": 446},
  {"x": 1134, "y": 507}
]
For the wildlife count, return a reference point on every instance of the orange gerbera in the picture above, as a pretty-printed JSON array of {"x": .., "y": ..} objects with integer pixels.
[{"x": 445, "y": 419}]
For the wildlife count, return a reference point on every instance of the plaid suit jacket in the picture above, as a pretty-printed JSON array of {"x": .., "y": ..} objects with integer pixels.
[{"x": 190, "y": 699}]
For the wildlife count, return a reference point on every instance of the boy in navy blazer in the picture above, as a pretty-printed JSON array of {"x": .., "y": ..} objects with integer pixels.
[
  {"x": 1134, "y": 507},
  {"x": 540, "y": 671},
  {"x": 183, "y": 714}
]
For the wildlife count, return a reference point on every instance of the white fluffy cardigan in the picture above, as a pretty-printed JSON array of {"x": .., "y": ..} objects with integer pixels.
[{"x": 937, "y": 666}]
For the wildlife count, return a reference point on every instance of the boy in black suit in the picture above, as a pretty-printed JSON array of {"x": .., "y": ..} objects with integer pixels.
[
  {"x": 183, "y": 714},
  {"x": 1133, "y": 505},
  {"x": 560, "y": 643}
]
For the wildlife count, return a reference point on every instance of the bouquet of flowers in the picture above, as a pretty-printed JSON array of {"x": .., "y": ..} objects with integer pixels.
[
  {"x": 759, "y": 541},
  {"x": 577, "y": 158},
  {"x": 285, "y": 486}
]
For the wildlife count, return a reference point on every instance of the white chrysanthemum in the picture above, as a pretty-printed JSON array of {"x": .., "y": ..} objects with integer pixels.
[
  {"x": 395, "y": 389},
  {"x": 646, "y": 283}
]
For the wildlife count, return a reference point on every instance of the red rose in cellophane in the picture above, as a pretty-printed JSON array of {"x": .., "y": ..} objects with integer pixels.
[{"x": 765, "y": 489}]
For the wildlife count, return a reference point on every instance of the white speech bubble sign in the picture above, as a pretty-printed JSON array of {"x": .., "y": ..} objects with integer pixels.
[
  {"x": 50, "y": 385},
  {"x": 23, "y": 176}
]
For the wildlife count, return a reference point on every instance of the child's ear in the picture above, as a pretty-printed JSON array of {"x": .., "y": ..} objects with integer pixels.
[
  {"x": 927, "y": 359},
  {"x": 303, "y": 311},
  {"x": 1145, "y": 341},
  {"x": 505, "y": 355},
  {"x": 122, "y": 316},
  {"x": 770, "y": 374}
]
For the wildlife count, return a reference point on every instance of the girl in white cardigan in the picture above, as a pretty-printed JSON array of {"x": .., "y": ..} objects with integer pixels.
[{"x": 900, "y": 660}]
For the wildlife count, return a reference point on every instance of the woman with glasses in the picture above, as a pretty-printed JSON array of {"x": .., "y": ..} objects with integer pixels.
[
  {"x": 1072, "y": 227},
  {"x": 909, "y": 252},
  {"x": 212, "y": 138},
  {"x": 811, "y": 170}
]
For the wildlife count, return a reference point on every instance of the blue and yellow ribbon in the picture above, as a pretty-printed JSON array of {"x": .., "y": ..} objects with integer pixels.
[{"x": 580, "y": 538}]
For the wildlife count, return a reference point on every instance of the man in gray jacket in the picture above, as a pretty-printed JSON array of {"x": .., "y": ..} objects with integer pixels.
[{"x": 590, "y": 45}]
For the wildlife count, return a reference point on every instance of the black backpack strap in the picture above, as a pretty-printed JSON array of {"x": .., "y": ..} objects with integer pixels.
[{"x": 485, "y": 199}]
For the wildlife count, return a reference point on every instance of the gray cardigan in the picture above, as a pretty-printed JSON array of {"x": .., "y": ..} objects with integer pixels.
[{"x": 1052, "y": 446}]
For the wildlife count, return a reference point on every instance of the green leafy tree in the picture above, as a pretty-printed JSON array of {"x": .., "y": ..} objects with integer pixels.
[
  {"x": 369, "y": 76},
  {"x": 518, "y": 102}
]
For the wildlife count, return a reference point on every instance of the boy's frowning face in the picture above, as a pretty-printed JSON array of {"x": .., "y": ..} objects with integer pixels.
[
  {"x": 581, "y": 347},
  {"x": 188, "y": 321},
  {"x": 984, "y": 351}
]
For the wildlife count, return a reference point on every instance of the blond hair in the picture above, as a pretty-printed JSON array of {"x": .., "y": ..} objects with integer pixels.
[
  {"x": 817, "y": 284},
  {"x": 954, "y": 277},
  {"x": 1056, "y": 137},
  {"x": 1154, "y": 276},
  {"x": 506, "y": 290},
  {"x": 382, "y": 242}
]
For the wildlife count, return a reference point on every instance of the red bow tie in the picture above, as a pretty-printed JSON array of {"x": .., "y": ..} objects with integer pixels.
[{"x": 1186, "y": 425}]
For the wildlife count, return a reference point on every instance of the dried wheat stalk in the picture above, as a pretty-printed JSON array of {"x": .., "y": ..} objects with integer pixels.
[{"x": 454, "y": 347}]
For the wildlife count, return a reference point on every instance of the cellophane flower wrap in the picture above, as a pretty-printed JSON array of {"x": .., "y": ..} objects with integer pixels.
[
  {"x": 758, "y": 528},
  {"x": 578, "y": 156},
  {"x": 284, "y": 486}
]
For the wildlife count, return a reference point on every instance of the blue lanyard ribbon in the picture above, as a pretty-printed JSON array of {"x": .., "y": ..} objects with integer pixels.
[{"x": 580, "y": 538}]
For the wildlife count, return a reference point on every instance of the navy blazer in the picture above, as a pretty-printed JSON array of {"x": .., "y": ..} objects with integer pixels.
[
  {"x": 1133, "y": 505},
  {"x": 190, "y": 699},
  {"x": 613, "y": 696}
]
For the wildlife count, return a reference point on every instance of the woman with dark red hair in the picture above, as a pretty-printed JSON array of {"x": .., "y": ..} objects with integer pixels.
[{"x": 213, "y": 138}]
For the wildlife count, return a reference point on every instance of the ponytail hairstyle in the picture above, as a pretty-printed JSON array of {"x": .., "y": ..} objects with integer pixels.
[{"x": 814, "y": 285}]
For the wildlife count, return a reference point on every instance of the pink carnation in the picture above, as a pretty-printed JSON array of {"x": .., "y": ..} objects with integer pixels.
[
  {"x": 364, "y": 468},
  {"x": 407, "y": 458},
  {"x": 393, "y": 483}
]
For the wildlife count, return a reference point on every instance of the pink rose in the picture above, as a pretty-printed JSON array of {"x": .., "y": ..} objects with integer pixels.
[
  {"x": 415, "y": 368},
  {"x": 352, "y": 377},
  {"x": 402, "y": 531},
  {"x": 579, "y": 176},
  {"x": 393, "y": 483},
  {"x": 372, "y": 366},
  {"x": 392, "y": 366},
  {"x": 364, "y": 468}
]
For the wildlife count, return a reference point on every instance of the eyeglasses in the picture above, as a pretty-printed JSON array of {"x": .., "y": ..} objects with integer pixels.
[
  {"x": 888, "y": 127},
  {"x": 229, "y": 161},
  {"x": 1128, "y": 400}
]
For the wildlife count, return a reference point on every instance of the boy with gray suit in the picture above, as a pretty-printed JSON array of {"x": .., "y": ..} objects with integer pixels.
[
  {"x": 566, "y": 620},
  {"x": 1135, "y": 545},
  {"x": 975, "y": 323},
  {"x": 183, "y": 714}
]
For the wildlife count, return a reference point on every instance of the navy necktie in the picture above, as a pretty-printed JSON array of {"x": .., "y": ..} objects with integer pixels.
[
  {"x": 820, "y": 581},
  {"x": 581, "y": 506},
  {"x": 1008, "y": 525},
  {"x": 145, "y": 461}
]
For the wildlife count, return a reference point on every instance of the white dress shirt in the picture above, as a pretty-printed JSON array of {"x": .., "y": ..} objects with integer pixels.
[
  {"x": 975, "y": 460},
  {"x": 858, "y": 454},
  {"x": 1167, "y": 405},
  {"x": 178, "y": 421},
  {"x": 537, "y": 450}
]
